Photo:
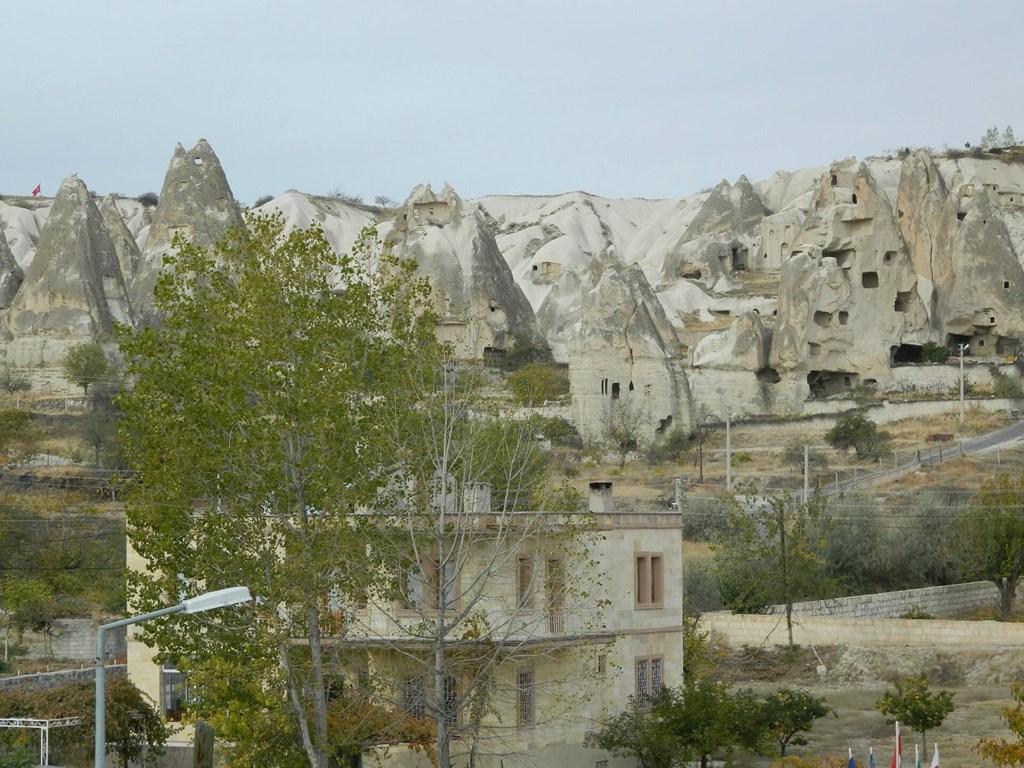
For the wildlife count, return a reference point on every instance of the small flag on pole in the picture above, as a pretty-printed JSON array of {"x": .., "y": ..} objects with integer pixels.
[
  {"x": 935, "y": 759},
  {"x": 37, "y": 190},
  {"x": 871, "y": 757},
  {"x": 897, "y": 753}
]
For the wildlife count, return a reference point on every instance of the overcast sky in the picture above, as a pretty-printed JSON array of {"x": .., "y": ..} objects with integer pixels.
[{"x": 621, "y": 99}]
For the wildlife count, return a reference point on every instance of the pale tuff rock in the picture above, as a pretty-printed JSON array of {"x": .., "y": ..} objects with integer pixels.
[
  {"x": 848, "y": 298},
  {"x": 743, "y": 347},
  {"x": 626, "y": 348},
  {"x": 11, "y": 275},
  {"x": 560, "y": 316},
  {"x": 195, "y": 202},
  {"x": 982, "y": 306},
  {"x": 73, "y": 290},
  {"x": 720, "y": 239},
  {"x": 128, "y": 255},
  {"x": 484, "y": 312}
]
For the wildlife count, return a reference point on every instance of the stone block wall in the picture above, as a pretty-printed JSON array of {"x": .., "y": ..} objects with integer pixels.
[
  {"x": 949, "y": 601},
  {"x": 74, "y": 640}
]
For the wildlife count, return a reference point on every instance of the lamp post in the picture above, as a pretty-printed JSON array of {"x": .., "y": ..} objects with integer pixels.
[
  {"x": 963, "y": 348},
  {"x": 221, "y": 598}
]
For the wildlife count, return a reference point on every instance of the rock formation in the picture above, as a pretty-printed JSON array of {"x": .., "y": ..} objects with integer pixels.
[
  {"x": 625, "y": 349},
  {"x": 73, "y": 290},
  {"x": 484, "y": 312},
  {"x": 128, "y": 255},
  {"x": 195, "y": 202},
  {"x": 11, "y": 275}
]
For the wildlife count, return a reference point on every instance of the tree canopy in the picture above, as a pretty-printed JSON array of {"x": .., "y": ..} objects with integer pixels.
[
  {"x": 990, "y": 540},
  {"x": 772, "y": 551},
  {"x": 912, "y": 704},
  {"x": 252, "y": 425},
  {"x": 86, "y": 364},
  {"x": 857, "y": 431}
]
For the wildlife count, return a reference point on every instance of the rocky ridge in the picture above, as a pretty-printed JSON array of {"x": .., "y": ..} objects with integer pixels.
[{"x": 748, "y": 298}]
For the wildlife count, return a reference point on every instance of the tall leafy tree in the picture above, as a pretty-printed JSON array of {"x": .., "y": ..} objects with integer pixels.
[
  {"x": 990, "y": 544},
  {"x": 912, "y": 704},
  {"x": 772, "y": 551},
  {"x": 252, "y": 425}
]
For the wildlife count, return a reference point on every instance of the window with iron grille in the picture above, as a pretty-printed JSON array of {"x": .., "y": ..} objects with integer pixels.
[
  {"x": 450, "y": 701},
  {"x": 649, "y": 677},
  {"x": 524, "y": 583},
  {"x": 414, "y": 699},
  {"x": 525, "y": 695}
]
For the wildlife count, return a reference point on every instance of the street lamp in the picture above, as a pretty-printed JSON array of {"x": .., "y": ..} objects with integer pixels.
[
  {"x": 221, "y": 598},
  {"x": 963, "y": 348}
]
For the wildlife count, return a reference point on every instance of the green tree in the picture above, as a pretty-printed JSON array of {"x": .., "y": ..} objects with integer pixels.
[
  {"x": 790, "y": 713},
  {"x": 912, "y": 704},
  {"x": 1001, "y": 751},
  {"x": 934, "y": 353},
  {"x": 701, "y": 720},
  {"x": 86, "y": 364},
  {"x": 857, "y": 431},
  {"x": 254, "y": 420},
  {"x": 772, "y": 551},
  {"x": 794, "y": 457},
  {"x": 990, "y": 544},
  {"x": 537, "y": 383}
]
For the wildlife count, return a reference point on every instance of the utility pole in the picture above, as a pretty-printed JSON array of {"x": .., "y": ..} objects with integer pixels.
[
  {"x": 807, "y": 472},
  {"x": 963, "y": 348},
  {"x": 728, "y": 452},
  {"x": 680, "y": 503}
]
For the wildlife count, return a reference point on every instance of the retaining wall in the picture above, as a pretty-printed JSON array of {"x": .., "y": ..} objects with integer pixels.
[{"x": 757, "y": 630}]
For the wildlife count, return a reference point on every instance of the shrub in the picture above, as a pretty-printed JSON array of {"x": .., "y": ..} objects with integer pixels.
[
  {"x": 559, "y": 431},
  {"x": 536, "y": 383},
  {"x": 1006, "y": 386},
  {"x": 704, "y": 518},
  {"x": 702, "y": 591},
  {"x": 933, "y": 353},
  {"x": 149, "y": 199},
  {"x": 262, "y": 200},
  {"x": 670, "y": 448}
]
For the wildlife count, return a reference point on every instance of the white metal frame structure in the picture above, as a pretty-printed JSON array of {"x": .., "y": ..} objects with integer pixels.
[{"x": 44, "y": 727}]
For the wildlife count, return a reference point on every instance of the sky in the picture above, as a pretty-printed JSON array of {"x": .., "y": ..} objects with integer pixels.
[{"x": 620, "y": 99}]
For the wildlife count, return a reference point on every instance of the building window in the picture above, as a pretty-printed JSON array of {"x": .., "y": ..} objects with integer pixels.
[
  {"x": 414, "y": 698},
  {"x": 649, "y": 580},
  {"x": 174, "y": 693},
  {"x": 427, "y": 587},
  {"x": 602, "y": 664},
  {"x": 524, "y": 583},
  {"x": 555, "y": 596},
  {"x": 450, "y": 701},
  {"x": 648, "y": 680},
  {"x": 601, "y": 764},
  {"x": 524, "y": 692}
]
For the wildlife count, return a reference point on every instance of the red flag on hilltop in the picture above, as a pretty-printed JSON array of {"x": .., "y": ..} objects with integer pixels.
[
  {"x": 37, "y": 190},
  {"x": 897, "y": 754}
]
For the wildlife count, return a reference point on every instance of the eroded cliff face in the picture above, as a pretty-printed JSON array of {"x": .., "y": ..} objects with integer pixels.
[
  {"x": 832, "y": 277},
  {"x": 485, "y": 314},
  {"x": 625, "y": 353},
  {"x": 73, "y": 290}
]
